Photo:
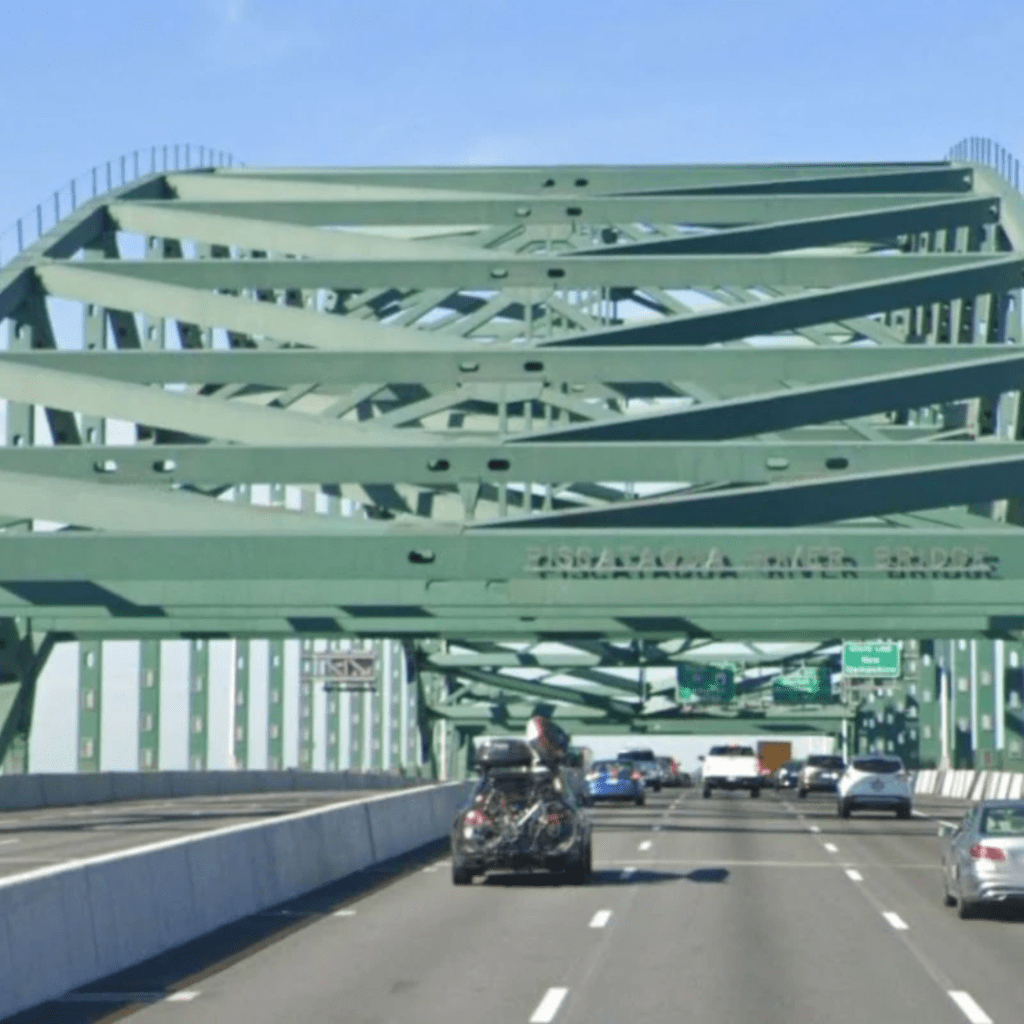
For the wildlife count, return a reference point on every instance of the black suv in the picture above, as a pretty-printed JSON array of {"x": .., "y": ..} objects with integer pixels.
[{"x": 820, "y": 774}]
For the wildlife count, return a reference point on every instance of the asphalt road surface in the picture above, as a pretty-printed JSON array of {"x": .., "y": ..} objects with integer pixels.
[
  {"x": 733, "y": 910},
  {"x": 54, "y": 835}
]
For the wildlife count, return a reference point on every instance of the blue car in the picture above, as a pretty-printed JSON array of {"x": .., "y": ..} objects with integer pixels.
[{"x": 615, "y": 780}]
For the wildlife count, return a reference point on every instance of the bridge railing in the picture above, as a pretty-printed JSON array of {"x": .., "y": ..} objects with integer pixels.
[
  {"x": 119, "y": 171},
  {"x": 981, "y": 150}
]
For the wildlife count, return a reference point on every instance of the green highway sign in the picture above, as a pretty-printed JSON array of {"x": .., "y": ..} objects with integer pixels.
[
  {"x": 871, "y": 660},
  {"x": 705, "y": 684},
  {"x": 804, "y": 686}
]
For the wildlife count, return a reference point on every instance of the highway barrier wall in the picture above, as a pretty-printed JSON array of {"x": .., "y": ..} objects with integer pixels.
[
  {"x": 28, "y": 792},
  {"x": 64, "y": 926},
  {"x": 967, "y": 784}
]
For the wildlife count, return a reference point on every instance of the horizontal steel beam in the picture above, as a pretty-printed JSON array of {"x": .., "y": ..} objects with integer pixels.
[
  {"x": 500, "y": 270},
  {"x": 325, "y": 205},
  {"x": 432, "y": 460},
  {"x": 739, "y": 369}
]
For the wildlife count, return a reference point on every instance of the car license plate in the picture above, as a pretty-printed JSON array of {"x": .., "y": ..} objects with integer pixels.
[{"x": 877, "y": 785}]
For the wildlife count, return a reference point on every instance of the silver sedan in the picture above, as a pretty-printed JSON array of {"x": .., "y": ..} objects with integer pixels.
[{"x": 983, "y": 856}]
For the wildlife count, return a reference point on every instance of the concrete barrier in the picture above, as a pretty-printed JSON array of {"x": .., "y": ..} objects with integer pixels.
[
  {"x": 28, "y": 792},
  {"x": 65, "y": 926}
]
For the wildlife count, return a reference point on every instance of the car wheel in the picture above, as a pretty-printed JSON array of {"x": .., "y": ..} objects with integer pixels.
[
  {"x": 755, "y": 793},
  {"x": 802, "y": 793},
  {"x": 903, "y": 812},
  {"x": 964, "y": 908},
  {"x": 844, "y": 809},
  {"x": 656, "y": 787},
  {"x": 949, "y": 900},
  {"x": 639, "y": 801},
  {"x": 461, "y": 875},
  {"x": 707, "y": 793}
]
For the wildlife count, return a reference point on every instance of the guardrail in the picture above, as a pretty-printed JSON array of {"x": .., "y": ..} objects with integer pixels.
[
  {"x": 981, "y": 150},
  {"x": 119, "y": 171}
]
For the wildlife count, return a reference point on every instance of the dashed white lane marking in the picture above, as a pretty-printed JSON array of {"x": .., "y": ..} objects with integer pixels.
[
  {"x": 344, "y": 913},
  {"x": 831, "y": 847},
  {"x": 645, "y": 845},
  {"x": 971, "y": 1010},
  {"x": 8, "y": 842},
  {"x": 895, "y": 920},
  {"x": 854, "y": 875},
  {"x": 545, "y": 1012},
  {"x": 431, "y": 869},
  {"x": 814, "y": 828},
  {"x": 600, "y": 919},
  {"x": 182, "y": 997},
  {"x": 626, "y": 872}
]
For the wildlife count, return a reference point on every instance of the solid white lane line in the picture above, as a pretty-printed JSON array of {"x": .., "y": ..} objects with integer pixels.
[
  {"x": 433, "y": 867},
  {"x": 545, "y": 1012},
  {"x": 895, "y": 920},
  {"x": 8, "y": 842},
  {"x": 831, "y": 847},
  {"x": 854, "y": 875},
  {"x": 645, "y": 845},
  {"x": 344, "y": 913},
  {"x": 182, "y": 997},
  {"x": 971, "y": 1010},
  {"x": 600, "y": 919},
  {"x": 626, "y": 872}
]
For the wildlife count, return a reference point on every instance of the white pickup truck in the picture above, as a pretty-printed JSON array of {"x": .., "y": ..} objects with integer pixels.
[{"x": 731, "y": 767}]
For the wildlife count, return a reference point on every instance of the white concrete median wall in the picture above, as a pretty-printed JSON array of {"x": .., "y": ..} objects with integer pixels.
[
  {"x": 960, "y": 784},
  {"x": 29, "y": 792},
  {"x": 65, "y": 926}
]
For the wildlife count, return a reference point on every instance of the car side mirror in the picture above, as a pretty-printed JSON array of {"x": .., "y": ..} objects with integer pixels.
[
  {"x": 946, "y": 831},
  {"x": 701, "y": 757}
]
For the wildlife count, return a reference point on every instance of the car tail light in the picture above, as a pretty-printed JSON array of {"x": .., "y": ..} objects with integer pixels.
[
  {"x": 477, "y": 818},
  {"x": 763, "y": 770},
  {"x": 979, "y": 852},
  {"x": 637, "y": 776}
]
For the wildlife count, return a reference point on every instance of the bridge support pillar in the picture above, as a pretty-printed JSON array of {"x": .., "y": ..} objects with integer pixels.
[{"x": 22, "y": 657}]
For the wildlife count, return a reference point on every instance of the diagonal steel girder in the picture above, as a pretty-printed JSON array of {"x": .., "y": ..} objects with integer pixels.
[
  {"x": 615, "y": 709},
  {"x": 799, "y": 406}
]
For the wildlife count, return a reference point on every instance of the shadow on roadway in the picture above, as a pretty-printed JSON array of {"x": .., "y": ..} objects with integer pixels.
[
  {"x": 117, "y": 995},
  {"x": 605, "y": 877}
]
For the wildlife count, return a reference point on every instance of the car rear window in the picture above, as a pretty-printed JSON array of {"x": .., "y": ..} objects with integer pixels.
[
  {"x": 731, "y": 751},
  {"x": 1003, "y": 821},
  {"x": 878, "y": 765},
  {"x": 825, "y": 761},
  {"x": 637, "y": 755}
]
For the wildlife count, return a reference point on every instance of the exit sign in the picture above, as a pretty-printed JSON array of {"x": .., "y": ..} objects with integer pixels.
[{"x": 871, "y": 660}]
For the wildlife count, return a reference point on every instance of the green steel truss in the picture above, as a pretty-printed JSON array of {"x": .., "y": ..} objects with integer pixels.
[{"x": 624, "y": 412}]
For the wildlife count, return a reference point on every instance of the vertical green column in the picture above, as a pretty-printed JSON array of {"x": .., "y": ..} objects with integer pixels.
[
  {"x": 929, "y": 719},
  {"x": 984, "y": 660},
  {"x": 378, "y": 709},
  {"x": 391, "y": 671},
  {"x": 198, "y": 705},
  {"x": 357, "y": 705},
  {"x": 961, "y": 705},
  {"x": 149, "y": 705},
  {"x": 20, "y": 432},
  {"x": 240, "y": 706},
  {"x": 1013, "y": 706},
  {"x": 90, "y": 677},
  {"x": 275, "y": 677},
  {"x": 332, "y": 724},
  {"x": 410, "y": 733},
  {"x": 306, "y": 697}
]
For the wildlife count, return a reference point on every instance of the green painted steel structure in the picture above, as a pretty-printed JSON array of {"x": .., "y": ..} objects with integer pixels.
[{"x": 552, "y": 431}]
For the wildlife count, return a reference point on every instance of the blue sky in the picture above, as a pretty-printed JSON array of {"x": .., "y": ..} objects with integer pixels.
[
  {"x": 313, "y": 82},
  {"x": 494, "y": 81}
]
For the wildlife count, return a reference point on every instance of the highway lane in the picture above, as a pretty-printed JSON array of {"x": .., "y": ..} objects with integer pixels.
[
  {"x": 44, "y": 837},
  {"x": 725, "y": 909}
]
